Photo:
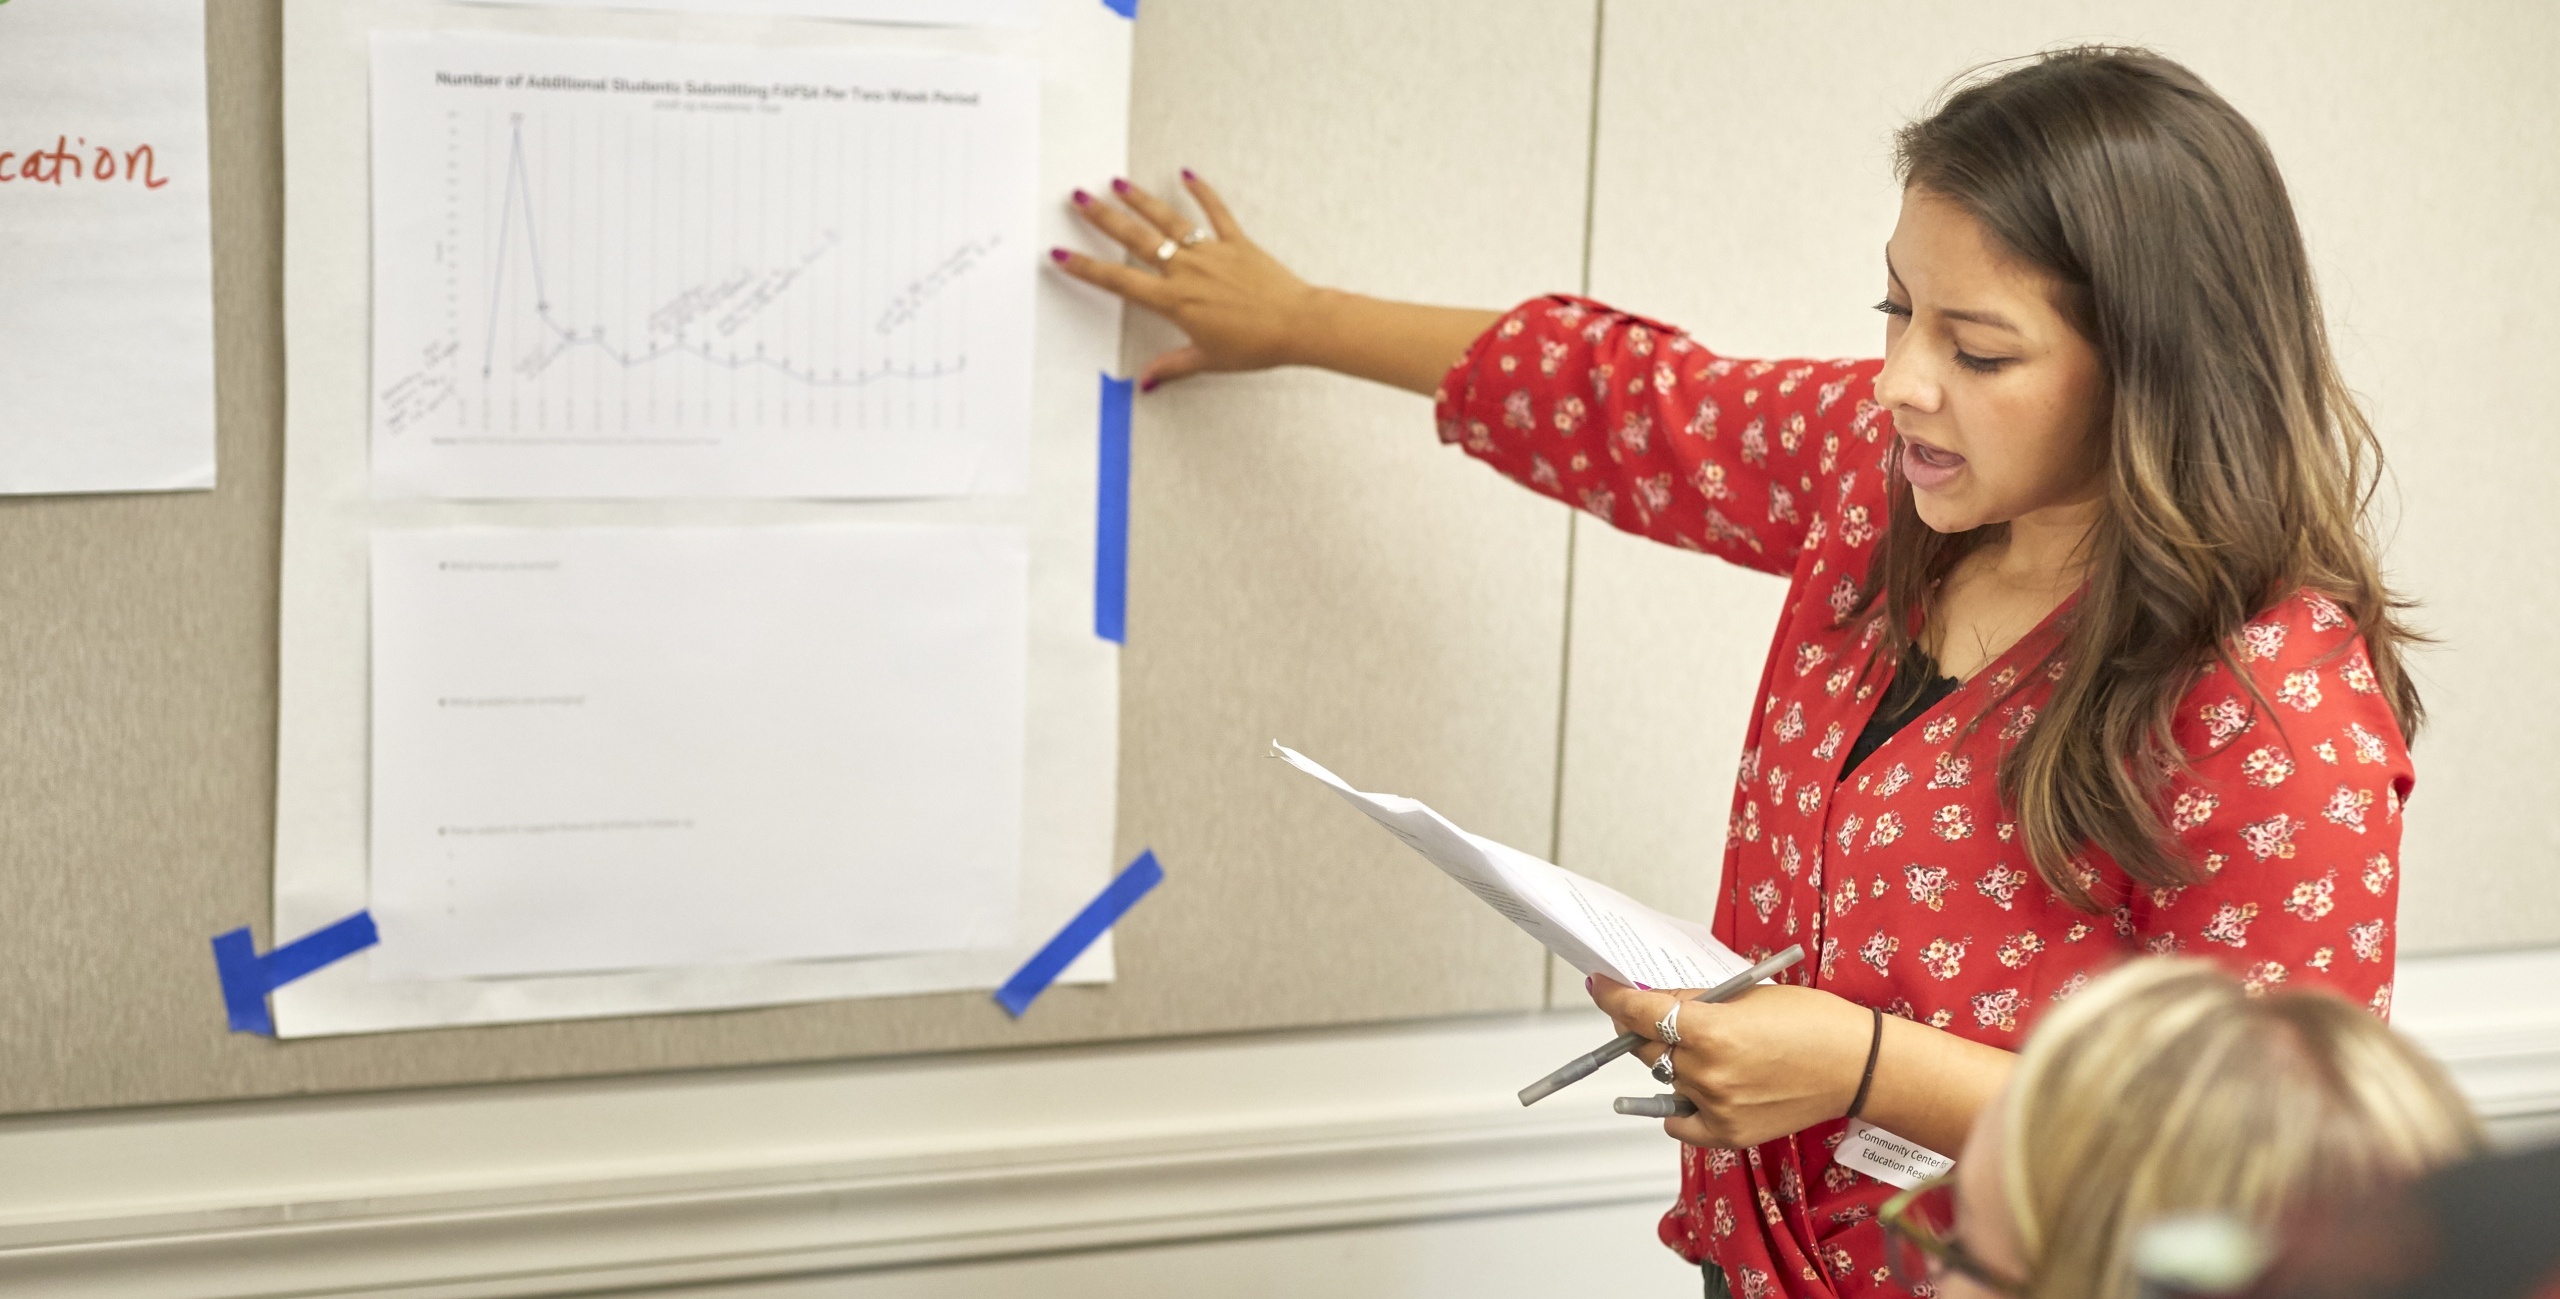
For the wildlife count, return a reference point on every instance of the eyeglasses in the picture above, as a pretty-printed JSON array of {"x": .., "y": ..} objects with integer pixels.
[{"x": 1919, "y": 1239}]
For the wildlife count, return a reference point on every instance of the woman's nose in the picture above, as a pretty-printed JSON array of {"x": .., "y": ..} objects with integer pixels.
[{"x": 1903, "y": 384}]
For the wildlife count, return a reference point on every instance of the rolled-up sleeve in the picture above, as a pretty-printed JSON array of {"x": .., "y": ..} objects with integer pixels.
[{"x": 1635, "y": 423}]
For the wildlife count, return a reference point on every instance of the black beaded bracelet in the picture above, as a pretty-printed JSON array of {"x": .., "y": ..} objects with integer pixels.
[{"x": 1874, "y": 1043}]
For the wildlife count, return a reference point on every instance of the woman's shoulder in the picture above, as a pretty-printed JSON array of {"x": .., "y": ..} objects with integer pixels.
[{"x": 2299, "y": 671}]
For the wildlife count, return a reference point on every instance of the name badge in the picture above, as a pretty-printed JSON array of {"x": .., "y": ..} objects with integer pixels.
[{"x": 1887, "y": 1158}]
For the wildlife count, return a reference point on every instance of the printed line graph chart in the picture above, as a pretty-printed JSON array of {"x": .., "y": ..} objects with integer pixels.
[{"x": 607, "y": 269}]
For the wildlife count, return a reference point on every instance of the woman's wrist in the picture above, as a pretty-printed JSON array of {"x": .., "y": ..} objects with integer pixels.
[
  {"x": 1312, "y": 325},
  {"x": 1401, "y": 344},
  {"x": 1930, "y": 1083},
  {"x": 1867, "y": 1067}
]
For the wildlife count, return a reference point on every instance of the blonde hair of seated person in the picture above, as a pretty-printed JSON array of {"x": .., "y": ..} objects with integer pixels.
[{"x": 2165, "y": 1087}]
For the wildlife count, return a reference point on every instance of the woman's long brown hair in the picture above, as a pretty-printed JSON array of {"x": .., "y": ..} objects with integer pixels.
[{"x": 2239, "y": 468}]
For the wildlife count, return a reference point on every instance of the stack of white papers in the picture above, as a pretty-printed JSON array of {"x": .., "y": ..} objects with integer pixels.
[{"x": 1595, "y": 928}]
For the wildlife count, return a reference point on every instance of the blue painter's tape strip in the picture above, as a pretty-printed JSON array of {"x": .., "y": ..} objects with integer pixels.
[
  {"x": 244, "y": 983},
  {"x": 1124, "y": 8},
  {"x": 247, "y": 977},
  {"x": 1098, "y": 916},
  {"x": 1111, "y": 516}
]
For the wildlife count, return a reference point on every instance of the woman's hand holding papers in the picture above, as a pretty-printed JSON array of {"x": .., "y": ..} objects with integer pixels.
[
  {"x": 1779, "y": 1059},
  {"x": 1772, "y": 1061}
]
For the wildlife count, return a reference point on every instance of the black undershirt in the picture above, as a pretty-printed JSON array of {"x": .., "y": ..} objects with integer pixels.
[{"x": 1889, "y": 719}]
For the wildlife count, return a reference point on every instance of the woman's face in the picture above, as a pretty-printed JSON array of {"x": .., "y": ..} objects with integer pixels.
[
  {"x": 2001, "y": 404},
  {"x": 1983, "y": 1224}
]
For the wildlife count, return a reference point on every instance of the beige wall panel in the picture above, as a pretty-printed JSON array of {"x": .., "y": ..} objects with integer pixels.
[
  {"x": 1666, "y": 650},
  {"x": 1308, "y": 563},
  {"x": 137, "y": 684},
  {"x": 1744, "y": 191}
]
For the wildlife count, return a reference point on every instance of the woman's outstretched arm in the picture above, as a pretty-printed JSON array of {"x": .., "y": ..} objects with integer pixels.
[
  {"x": 1616, "y": 415},
  {"x": 1243, "y": 310}
]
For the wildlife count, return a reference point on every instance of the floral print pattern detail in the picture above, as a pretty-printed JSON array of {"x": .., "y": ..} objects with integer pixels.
[
  {"x": 2301, "y": 689},
  {"x": 2261, "y": 640},
  {"x": 2272, "y": 837},
  {"x": 2266, "y": 768},
  {"x": 1764, "y": 897},
  {"x": 1895, "y": 779},
  {"x": 2193, "y": 808},
  {"x": 2225, "y": 719},
  {"x": 1953, "y": 772},
  {"x": 2020, "y": 949},
  {"x": 2365, "y": 940},
  {"x": 2001, "y": 884},
  {"x": 1887, "y": 829},
  {"x": 2313, "y": 899},
  {"x": 2230, "y": 924},
  {"x": 2377, "y": 874},
  {"x": 1953, "y": 822},
  {"x": 1943, "y": 958},
  {"x": 2369, "y": 746},
  {"x": 1998, "y": 1009},
  {"x": 2347, "y": 807}
]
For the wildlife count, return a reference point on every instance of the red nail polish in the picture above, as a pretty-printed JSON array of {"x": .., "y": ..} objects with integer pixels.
[
  {"x": 1059, "y": 255},
  {"x": 1146, "y": 385},
  {"x": 1186, "y": 174},
  {"x": 1119, "y": 186},
  {"x": 1083, "y": 199}
]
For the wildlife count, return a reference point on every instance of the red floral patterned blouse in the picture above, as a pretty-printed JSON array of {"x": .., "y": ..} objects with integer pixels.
[{"x": 1907, "y": 879}]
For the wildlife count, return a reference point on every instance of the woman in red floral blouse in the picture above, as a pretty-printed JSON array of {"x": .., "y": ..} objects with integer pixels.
[{"x": 2085, "y": 652}]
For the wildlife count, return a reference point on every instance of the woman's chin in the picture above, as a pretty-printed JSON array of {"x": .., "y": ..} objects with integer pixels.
[{"x": 1944, "y": 515}]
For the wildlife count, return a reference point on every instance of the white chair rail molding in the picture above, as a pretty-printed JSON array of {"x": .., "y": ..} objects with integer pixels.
[{"x": 1336, "y": 1147}]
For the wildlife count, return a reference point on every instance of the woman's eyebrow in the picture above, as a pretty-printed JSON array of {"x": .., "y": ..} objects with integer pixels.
[{"x": 1991, "y": 319}]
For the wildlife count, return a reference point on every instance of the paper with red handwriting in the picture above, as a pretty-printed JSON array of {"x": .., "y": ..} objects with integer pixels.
[{"x": 106, "y": 267}]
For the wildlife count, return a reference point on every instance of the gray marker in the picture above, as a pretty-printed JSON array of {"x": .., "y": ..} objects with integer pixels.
[
  {"x": 1669, "y": 1105},
  {"x": 1583, "y": 1066}
]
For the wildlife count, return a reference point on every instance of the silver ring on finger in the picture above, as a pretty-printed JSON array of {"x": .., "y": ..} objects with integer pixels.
[
  {"x": 1667, "y": 1028},
  {"x": 1663, "y": 1069},
  {"x": 1166, "y": 250},
  {"x": 1198, "y": 235}
]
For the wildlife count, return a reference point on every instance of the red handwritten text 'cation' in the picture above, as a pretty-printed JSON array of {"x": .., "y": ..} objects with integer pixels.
[{"x": 73, "y": 159}]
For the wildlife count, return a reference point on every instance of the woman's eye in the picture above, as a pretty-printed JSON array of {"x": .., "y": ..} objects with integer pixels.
[
  {"x": 1980, "y": 364},
  {"x": 1893, "y": 308}
]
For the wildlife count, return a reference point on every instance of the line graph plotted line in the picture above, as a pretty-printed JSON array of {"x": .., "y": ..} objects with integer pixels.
[
  {"x": 729, "y": 301},
  {"x": 698, "y": 285}
]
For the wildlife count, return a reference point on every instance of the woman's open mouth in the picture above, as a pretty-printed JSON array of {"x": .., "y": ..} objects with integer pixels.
[{"x": 1929, "y": 468}]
